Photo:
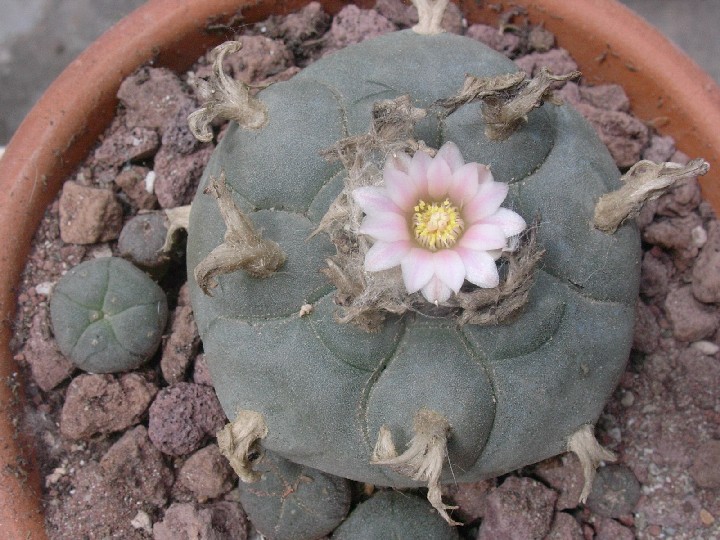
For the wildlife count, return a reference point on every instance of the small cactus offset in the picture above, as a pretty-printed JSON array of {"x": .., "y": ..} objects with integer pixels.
[
  {"x": 392, "y": 514},
  {"x": 289, "y": 501},
  {"x": 436, "y": 304},
  {"x": 108, "y": 316}
]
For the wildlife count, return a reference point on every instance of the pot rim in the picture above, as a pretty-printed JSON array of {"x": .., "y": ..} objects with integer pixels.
[{"x": 610, "y": 43}]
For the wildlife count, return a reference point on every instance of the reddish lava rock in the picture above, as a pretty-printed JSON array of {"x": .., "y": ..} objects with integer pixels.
[
  {"x": 177, "y": 135},
  {"x": 127, "y": 144},
  {"x": 177, "y": 176},
  {"x": 698, "y": 378},
  {"x": 134, "y": 463},
  {"x": 88, "y": 215},
  {"x": 309, "y": 23},
  {"x": 705, "y": 469},
  {"x": 691, "y": 320},
  {"x": 646, "y": 336},
  {"x": 674, "y": 234},
  {"x": 201, "y": 371},
  {"x": 505, "y": 42},
  {"x": 152, "y": 96},
  {"x": 624, "y": 135},
  {"x": 471, "y": 499},
  {"x": 259, "y": 59},
  {"x": 655, "y": 274},
  {"x": 683, "y": 199},
  {"x": 558, "y": 61},
  {"x": 188, "y": 521},
  {"x": 182, "y": 416},
  {"x": 102, "y": 404},
  {"x": 207, "y": 473},
  {"x": 565, "y": 527},
  {"x": 565, "y": 476},
  {"x": 609, "y": 97},
  {"x": 95, "y": 508},
  {"x": 706, "y": 272},
  {"x": 609, "y": 529},
  {"x": 132, "y": 182},
  {"x": 181, "y": 347},
  {"x": 661, "y": 148},
  {"x": 47, "y": 364},
  {"x": 353, "y": 25},
  {"x": 520, "y": 509}
]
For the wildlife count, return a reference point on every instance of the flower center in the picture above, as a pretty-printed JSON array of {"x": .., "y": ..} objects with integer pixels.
[{"x": 437, "y": 225}]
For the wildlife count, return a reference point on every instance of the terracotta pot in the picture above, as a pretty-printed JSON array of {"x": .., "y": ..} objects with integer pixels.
[{"x": 608, "y": 41}]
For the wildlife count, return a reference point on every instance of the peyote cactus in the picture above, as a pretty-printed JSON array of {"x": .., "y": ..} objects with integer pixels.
[
  {"x": 290, "y": 501},
  {"x": 477, "y": 368},
  {"x": 397, "y": 515},
  {"x": 107, "y": 315}
]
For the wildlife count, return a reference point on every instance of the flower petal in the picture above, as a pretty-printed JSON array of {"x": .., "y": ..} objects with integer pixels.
[
  {"x": 464, "y": 184},
  {"x": 480, "y": 268},
  {"x": 401, "y": 189},
  {"x": 384, "y": 255},
  {"x": 386, "y": 227},
  {"x": 399, "y": 161},
  {"x": 486, "y": 201},
  {"x": 510, "y": 222},
  {"x": 484, "y": 174},
  {"x": 436, "y": 291},
  {"x": 439, "y": 178},
  {"x": 418, "y": 172},
  {"x": 482, "y": 237},
  {"x": 374, "y": 200},
  {"x": 452, "y": 156},
  {"x": 449, "y": 268},
  {"x": 417, "y": 269},
  {"x": 495, "y": 253}
]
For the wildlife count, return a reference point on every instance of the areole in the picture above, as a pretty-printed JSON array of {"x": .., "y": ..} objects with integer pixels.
[{"x": 663, "y": 84}]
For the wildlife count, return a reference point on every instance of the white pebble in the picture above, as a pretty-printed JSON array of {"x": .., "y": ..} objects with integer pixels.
[
  {"x": 55, "y": 476},
  {"x": 142, "y": 521},
  {"x": 45, "y": 288},
  {"x": 706, "y": 347},
  {"x": 2, "y": 151},
  {"x": 628, "y": 399},
  {"x": 699, "y": 236},
  {"x": 150, "y": 182},
  {"x": 102, "y": 251}
]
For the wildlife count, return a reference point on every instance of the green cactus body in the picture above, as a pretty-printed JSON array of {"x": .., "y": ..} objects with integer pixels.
[
  {"x": 396, "y": 515},
  {"x": 108, "y": 316},
  {"x": 512, "y": 393}
]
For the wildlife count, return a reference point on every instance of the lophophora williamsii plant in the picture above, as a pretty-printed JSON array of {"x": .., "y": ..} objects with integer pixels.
[{"x": 413, "y": 266}]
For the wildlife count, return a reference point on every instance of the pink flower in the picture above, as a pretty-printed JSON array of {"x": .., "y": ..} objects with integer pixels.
[{"x": 439, "y": 219}]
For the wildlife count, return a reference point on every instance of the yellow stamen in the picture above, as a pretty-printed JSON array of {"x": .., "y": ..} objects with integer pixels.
[{"x": 437, "y": 225}]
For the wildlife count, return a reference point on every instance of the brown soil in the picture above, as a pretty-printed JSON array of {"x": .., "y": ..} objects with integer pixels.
[{"x": 133, "y": 455}]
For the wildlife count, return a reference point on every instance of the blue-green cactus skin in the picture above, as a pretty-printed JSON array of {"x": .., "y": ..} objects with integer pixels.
[
  {"x": 293, "y": 502},
  {"x": 108, "y": 316},
  {"x": 512, "y": 393},
  {"x": 396, "y": 515}
]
